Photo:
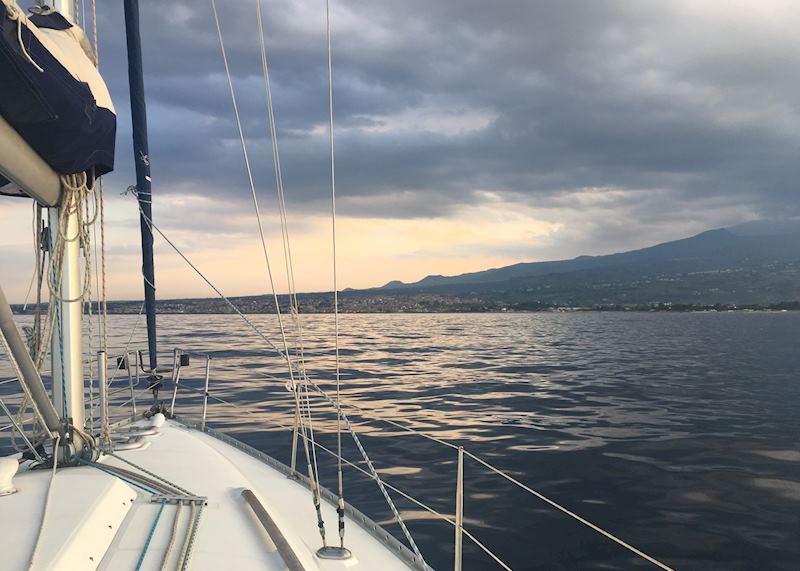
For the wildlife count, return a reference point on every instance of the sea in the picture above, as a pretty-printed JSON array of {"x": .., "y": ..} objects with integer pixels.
[{"x": 677, "y": 432}]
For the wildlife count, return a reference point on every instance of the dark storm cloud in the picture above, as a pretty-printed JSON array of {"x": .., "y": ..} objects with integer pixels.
[{"x": 684, "y": 108}]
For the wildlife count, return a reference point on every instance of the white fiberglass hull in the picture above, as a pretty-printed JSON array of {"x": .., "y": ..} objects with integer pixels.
[{"x": 99, "y": 520}]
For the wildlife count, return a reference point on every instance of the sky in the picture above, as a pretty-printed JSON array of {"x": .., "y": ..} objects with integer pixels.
[{"x": 469, "y": 135}]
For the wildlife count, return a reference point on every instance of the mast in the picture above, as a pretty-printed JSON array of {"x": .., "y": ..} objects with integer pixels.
[
  {"x": 66, "y": 351},
  {"x": 142, "y": 161}
]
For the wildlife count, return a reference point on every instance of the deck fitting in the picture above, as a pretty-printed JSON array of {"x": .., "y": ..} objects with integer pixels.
[{"x": 332, "y": 552}]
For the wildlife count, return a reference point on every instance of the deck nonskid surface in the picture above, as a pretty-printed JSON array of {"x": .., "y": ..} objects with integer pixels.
[
  {"x": 229, "y": 534},
  {"x": 96, "y": 520}
]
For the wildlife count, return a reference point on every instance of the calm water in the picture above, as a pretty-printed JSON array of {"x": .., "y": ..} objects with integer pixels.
[{"x": 678, "y": 432}]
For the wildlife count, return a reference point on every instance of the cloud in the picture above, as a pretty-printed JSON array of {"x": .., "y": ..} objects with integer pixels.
[
  {"x": 534, "y": 98},
  {"x": 617, "y": 121}
]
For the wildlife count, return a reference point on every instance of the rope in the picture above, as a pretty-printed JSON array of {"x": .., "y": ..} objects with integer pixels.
[
  {"x": 71, "y": 213},
  {"x": 192, "y": 537},
  {"x": 88, "y": 303},
  {"x": 408, "y": 429},
  {"x": 152, "y": 474},
  {"x": 191, "y": 534},
  {"x": 340, "y": 510},
  {"x": 19, "y": 420},
  {"x": 249, "y": 170},
  {"x": 313, "y": 470},
  {"x": 306, "y": 380},
  {"x": 212, "y": 286},
  {"x": 15, "y": 15},
  {"x": 252, "y": 186},
  {"x": 287, "y": 252},
  {"x": 372, "y": 470},
  {"x": 172, "y": 535},
  {"x": 46, "y": 504},
  {"x": 150, "y": 536},
  {"x": 96, "y": 44},
  {"x": 133, "y": 483},
  {"x": 278, "y": 174},
  {"x": 309, "y": 455},
  {"x": 185, "y": 546},
  {"x": 60, "y": 332},
  {"x": 342, "y": 415},
  {"x": 75, "y": 190}
]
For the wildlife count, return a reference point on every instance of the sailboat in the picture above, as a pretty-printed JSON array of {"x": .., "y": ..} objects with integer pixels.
[
  {"x": 156, "y": 492},
  {"x": 155, "y": 489}
]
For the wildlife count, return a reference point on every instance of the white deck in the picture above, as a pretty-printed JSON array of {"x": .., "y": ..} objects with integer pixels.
[{"x": 92, "y": 523}]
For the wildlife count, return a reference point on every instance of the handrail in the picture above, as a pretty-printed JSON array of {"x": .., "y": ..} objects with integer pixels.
[
  {"x": 373, "y": 416},
  {"x": 177, "y": 367},
  {"x": 392, "y": 487},
  {"x": 274, "y": 532}
]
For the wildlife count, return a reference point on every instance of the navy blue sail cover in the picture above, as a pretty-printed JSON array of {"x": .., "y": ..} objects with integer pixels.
[{"x": 51, "y": 94}]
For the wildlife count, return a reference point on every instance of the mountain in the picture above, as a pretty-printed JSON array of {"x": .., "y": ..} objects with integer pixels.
[
  {"x": 757, "y": 262},
  {"x": 752, "y": 265}
]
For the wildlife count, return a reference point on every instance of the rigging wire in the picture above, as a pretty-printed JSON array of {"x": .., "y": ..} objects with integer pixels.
[
  {"x": 475, "y": 457},
  {"x": 340, "y": 509},
  {"x": 249, "y": 173},
  {"x": 99, "y": 195},
  {"x": 304, "y": 399},
  {"x": 35, "y": 224},
  {"x": 313, "y": 469},
  {"x": 287, "y": 252},
  {"x": 276, "y": 161},
  {"x": 568, "y": 512},
  {"x": 306, "y": 380}
]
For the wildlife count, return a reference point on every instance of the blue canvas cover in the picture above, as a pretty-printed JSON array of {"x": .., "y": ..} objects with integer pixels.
[{"x": 47, "y": 96}]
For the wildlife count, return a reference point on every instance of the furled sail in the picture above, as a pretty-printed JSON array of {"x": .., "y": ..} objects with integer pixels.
[{"x": 52, "y": 95}]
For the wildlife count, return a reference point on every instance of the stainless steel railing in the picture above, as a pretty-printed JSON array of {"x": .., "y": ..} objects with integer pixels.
[
  {"x": 460, "y": 531},
  {"x": 181, "y": 360}
]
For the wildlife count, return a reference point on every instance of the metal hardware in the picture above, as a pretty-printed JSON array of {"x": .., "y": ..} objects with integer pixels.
[
  {"x": 20, "y": 431},
  {"x": 293, "y": 474},
  {"x": 334, "y": 552},
  {"x": 176, "y": 375},
  {"x": 459, "y": 509},
  {"x": 205, "y": 392},
  {"x": 180, "y": 359},
  {"x": 364, "y": 522},
  {"x": 131, "y": 385},
  {"x": 29, "y": 374},
  {"x": 273, "y": 531},
  {"x": 177, "y": 499}
]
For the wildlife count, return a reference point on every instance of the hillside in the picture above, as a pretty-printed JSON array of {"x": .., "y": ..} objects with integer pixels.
[{"x": 757, "y": 263}]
